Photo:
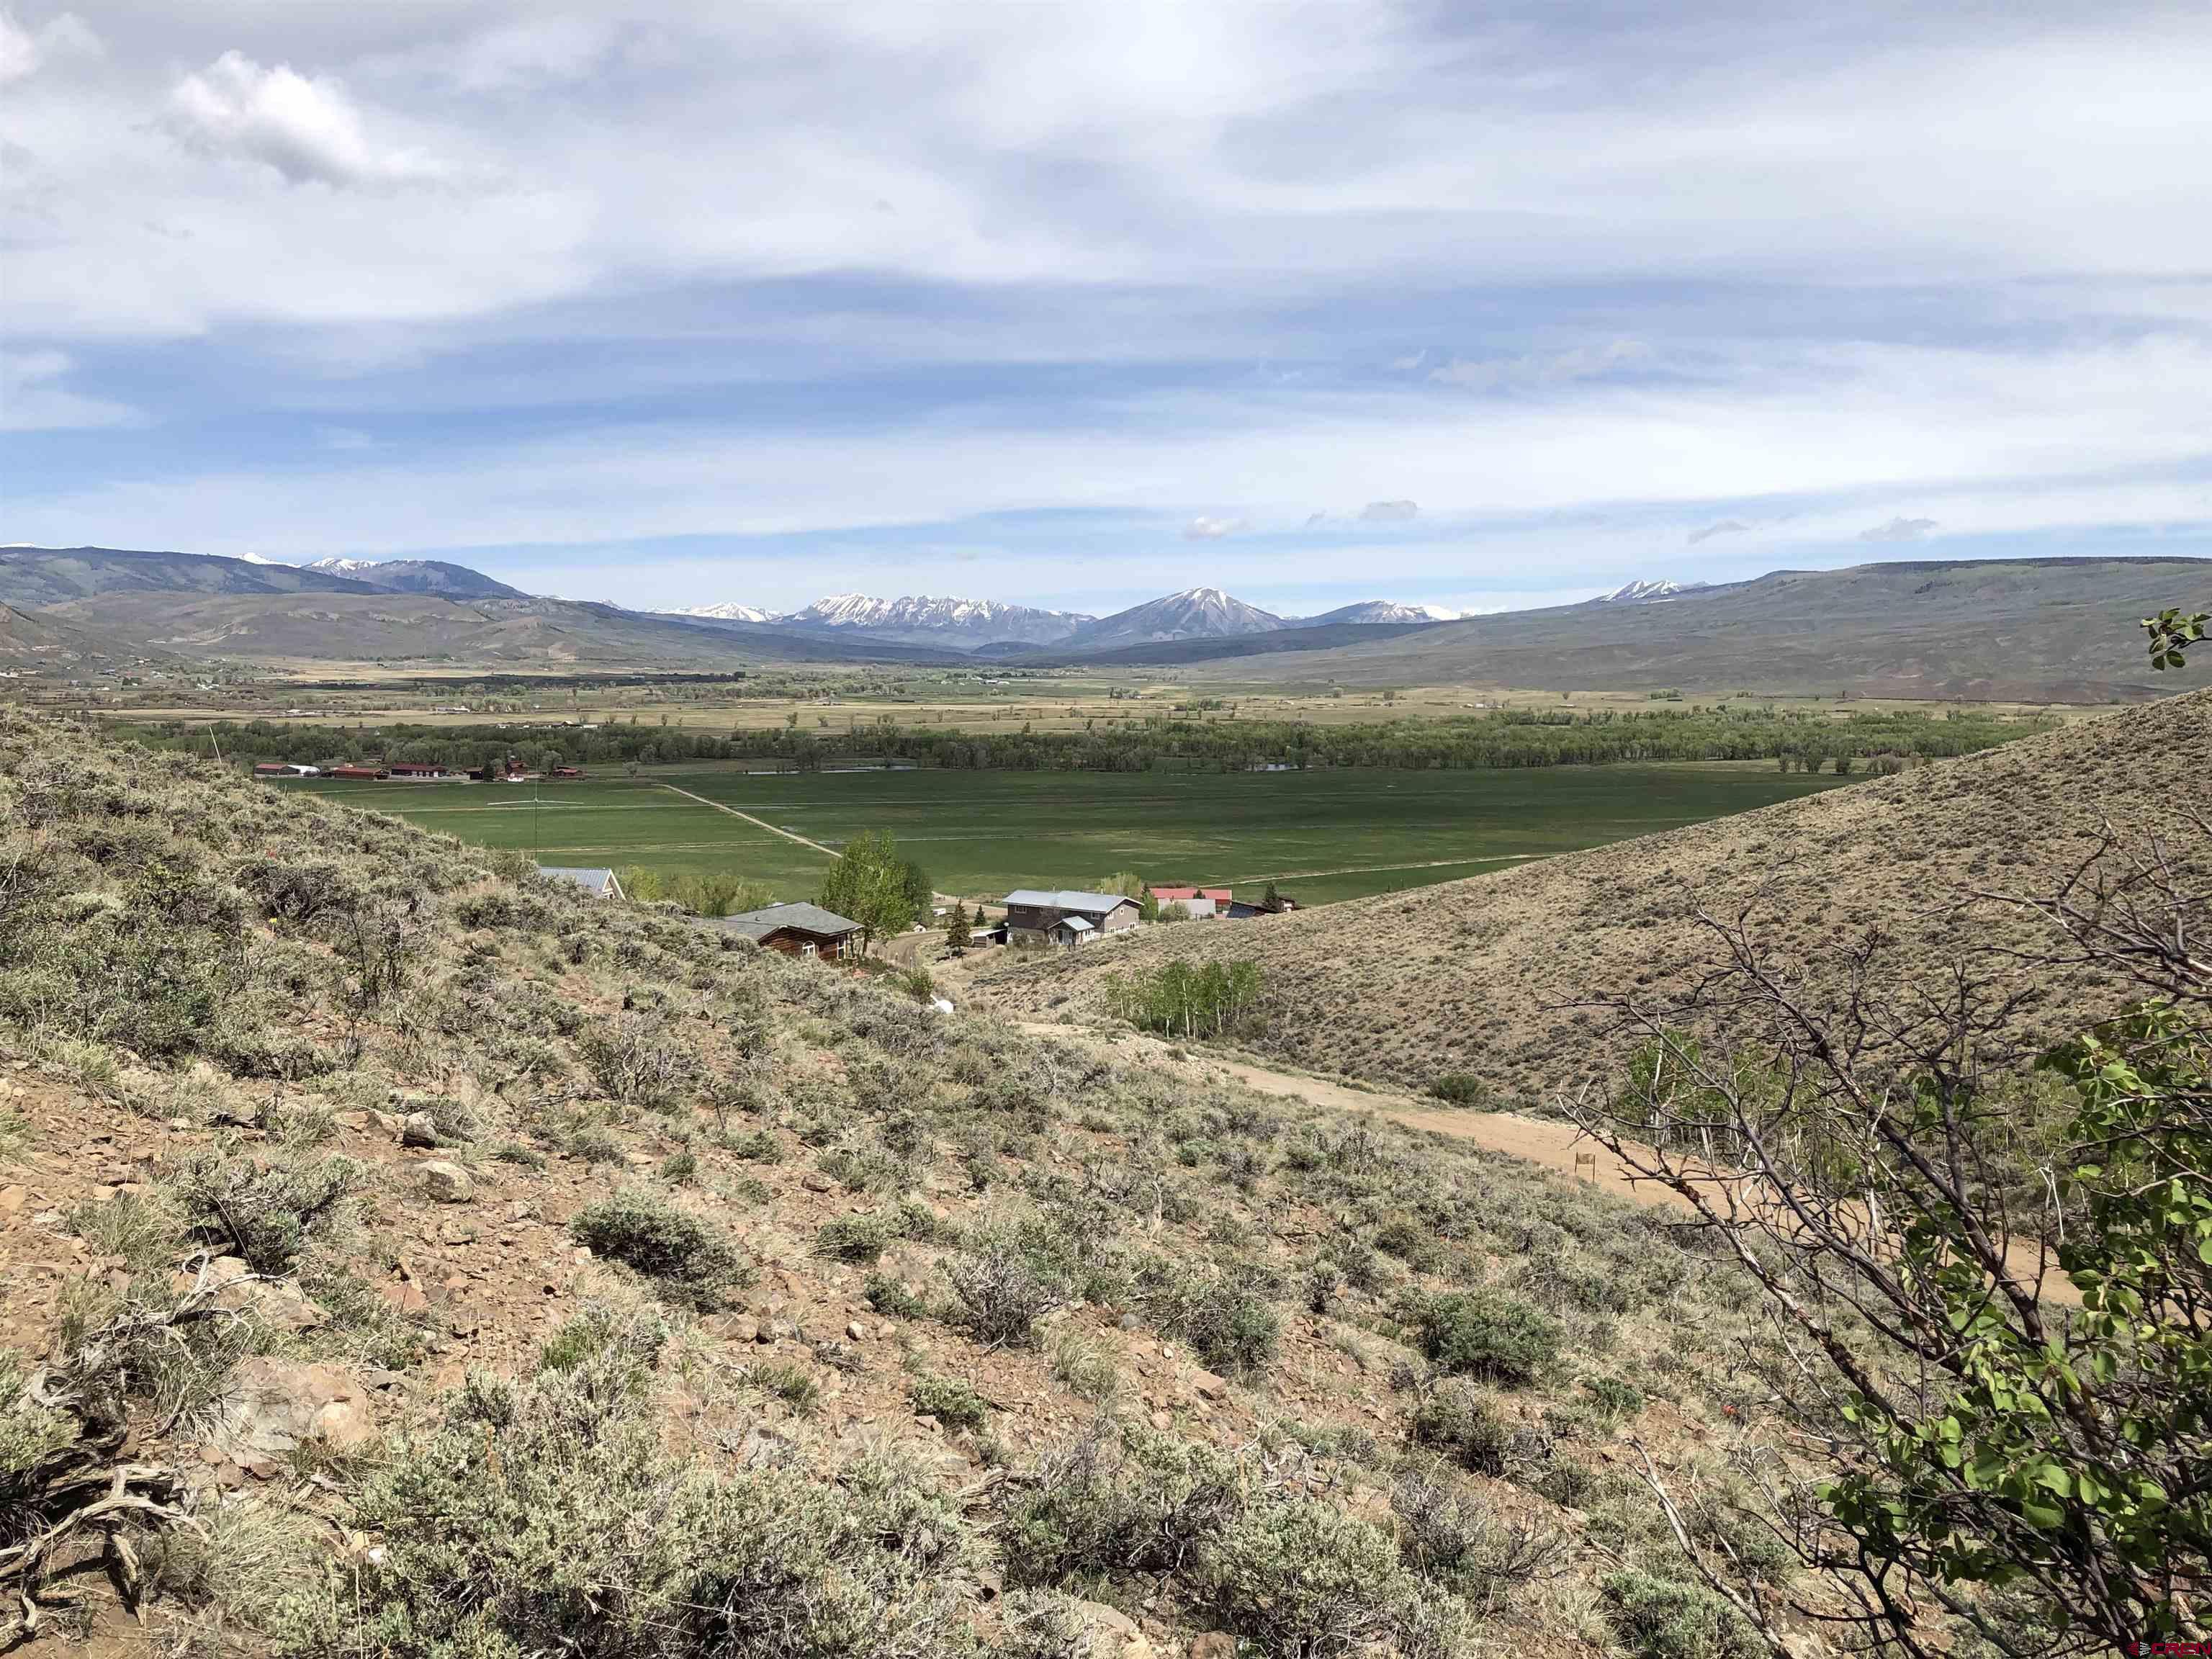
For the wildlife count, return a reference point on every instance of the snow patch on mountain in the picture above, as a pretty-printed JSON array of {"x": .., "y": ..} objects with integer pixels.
[{"x": 1647, "y": 593}]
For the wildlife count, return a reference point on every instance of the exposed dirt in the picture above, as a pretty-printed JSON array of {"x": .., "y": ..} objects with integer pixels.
[{"x": 1549, "y": 1143}]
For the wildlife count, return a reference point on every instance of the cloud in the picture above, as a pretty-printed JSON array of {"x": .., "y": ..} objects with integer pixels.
[
  {"x": 1203, "y": 529},
  {"x": 22, "y": 53},
  {"x": 309, "y": 130},
  {"x": 1313, "y": 518},
  {"x": 1725, "y": 527},
  {"x": 1539, "y": 369},
  {"x": 1389, "y": 512},
  {"x": 33, "y": 398},
  {"x": 1900, "y": 529}
]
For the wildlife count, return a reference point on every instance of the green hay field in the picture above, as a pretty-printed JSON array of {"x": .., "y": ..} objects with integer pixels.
[{"x": 1323, "y": 835}]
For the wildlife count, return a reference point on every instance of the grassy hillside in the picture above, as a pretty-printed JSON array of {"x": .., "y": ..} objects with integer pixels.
[
  {"x": 432, "y": 1261},
  {"x": 2015, "y": 629},
  {"x": 1482, "y": 976}
]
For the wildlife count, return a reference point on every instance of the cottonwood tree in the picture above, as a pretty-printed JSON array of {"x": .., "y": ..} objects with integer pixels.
[{"x": 871, "y": 884}]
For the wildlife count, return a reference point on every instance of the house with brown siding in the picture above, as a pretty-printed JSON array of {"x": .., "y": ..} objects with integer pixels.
[{"x": 796, "y": 930}]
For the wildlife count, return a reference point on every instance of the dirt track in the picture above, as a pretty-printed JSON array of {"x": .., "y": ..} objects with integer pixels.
[{"x": 1554, "y": 1145}]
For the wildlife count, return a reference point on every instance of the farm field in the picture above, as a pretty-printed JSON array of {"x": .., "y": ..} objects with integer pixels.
[{"x": 1323, "y": 835}]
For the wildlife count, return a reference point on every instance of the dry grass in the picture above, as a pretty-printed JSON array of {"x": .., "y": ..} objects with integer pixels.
[{"x": 1483, "y": 976}]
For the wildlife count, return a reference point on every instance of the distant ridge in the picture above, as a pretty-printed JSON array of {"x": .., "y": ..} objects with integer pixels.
[
  {"x": 418, "y": 576},
  {"x": 32, "y": 577},
  {"x": 2037, "y": 630}
]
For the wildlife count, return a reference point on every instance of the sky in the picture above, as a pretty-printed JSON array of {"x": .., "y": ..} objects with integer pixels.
[{"x": 1075, "y": 304}]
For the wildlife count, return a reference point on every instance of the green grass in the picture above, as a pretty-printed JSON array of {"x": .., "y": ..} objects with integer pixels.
[{"x": 1323, "y": 835}]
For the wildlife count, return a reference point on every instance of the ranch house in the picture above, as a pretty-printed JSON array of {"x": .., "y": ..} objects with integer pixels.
[
  {"x": 796, "y": 930},
  {"x": 1068, "y": 918}
]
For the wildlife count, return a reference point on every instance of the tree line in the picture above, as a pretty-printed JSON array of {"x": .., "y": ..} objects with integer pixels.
[{"x": 1797, "y": 739}]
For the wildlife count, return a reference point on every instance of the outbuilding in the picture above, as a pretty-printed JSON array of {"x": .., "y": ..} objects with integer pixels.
[{"x": 599, "y": 883}]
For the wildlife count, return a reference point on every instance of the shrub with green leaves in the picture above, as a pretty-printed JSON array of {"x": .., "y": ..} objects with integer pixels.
[
  {"x": 1461, "y": 1089},
  {"x": 554, "y": 1502},
  {"x": 1488, "y": 1335},
  {"x": 858, "y": 1239},
  {"x": 688, "y": 1257},
  {"x": 1127, "y": 1500},
  {"x": 1462, "y": 1421},
  {"x": 891, "y": 1297},
  {"x": 1231, "y": 1325},
  {"x": 950, "y": 1401},
  {"x": 33, "y": 1438},
  {"x": 1299, "y": 1576}
]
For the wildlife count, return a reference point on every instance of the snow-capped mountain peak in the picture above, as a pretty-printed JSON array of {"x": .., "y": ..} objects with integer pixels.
[
  {"x": 728, "y": 611},
  {"x": 1371, "y": 612},
  {"x": 929, "y": 619},
  {"x": 1649, "y": 591}
]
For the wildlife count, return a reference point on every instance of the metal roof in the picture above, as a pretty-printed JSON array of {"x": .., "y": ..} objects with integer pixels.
[
  {"x": 806, "y": 918},
  {"x": 597, "y": 880},
  {"x": 1075, "y": 925},
  {"x": 1069, "y": 900}
]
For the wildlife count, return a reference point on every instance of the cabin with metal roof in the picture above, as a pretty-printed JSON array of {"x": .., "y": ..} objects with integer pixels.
[{"x": 799, "y": 929}]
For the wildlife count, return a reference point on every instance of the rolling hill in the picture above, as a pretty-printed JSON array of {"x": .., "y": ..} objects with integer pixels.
[
  {"x": 33, "y": 577},
  {"x": 364, "y": 625},
  {"x": 1482, "y": 976},
  {"x": 2026, "y": 629},
  {"x": 384, "y": 1218}
]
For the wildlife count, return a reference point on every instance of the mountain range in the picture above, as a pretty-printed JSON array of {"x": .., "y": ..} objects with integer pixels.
[
  {"x": 2015, "y": 629},
  {"x": 975, "y": 625}
]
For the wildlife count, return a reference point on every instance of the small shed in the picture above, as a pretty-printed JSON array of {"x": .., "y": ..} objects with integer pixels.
[
  {"x": 796, "y": 930},
  {"x": 599, "y": 883}
]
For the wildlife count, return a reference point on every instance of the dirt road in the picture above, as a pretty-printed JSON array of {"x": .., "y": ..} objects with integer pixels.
[
  {"x": 1554, "y": 1145},
  {"x": 826, "y": 852}
]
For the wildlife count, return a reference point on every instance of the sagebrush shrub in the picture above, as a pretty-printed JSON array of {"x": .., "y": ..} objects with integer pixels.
[
  {"x": 950, "y": 1401},
  {"x": 1459, "y": 1419},
  {"x": 575, "y": 1531},
  {"x": 1658, "y": 1618},
  {"x": 266, "y": 1213},
  {"x": 858, "y": 1238},
  {"x": 1002, "y": 1292},
  {"x": 1489, "y": 1334},
  {"x": 687, "y": 1256}
]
